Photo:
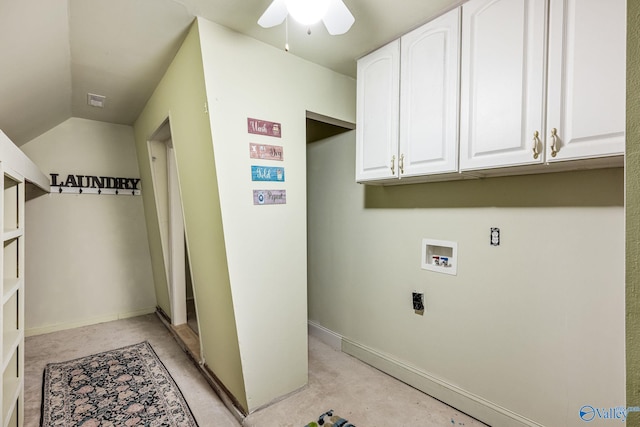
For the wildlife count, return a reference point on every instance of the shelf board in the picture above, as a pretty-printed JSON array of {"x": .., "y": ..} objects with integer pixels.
[
  {"x": 12, "y": 234},
  {"x": 10, "y": 287},
  {"x": 11, "y": 389},
  {"x": 11, "y": 341}
]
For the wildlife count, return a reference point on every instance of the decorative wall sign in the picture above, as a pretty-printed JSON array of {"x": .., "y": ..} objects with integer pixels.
[
  {"x": 263, "y": 127},
  {"x": 267, "y": 173},
  {"x": 266, "y": 152},
  {"x": 91, "y": 184},
  {"x": 269, "y": 197}
]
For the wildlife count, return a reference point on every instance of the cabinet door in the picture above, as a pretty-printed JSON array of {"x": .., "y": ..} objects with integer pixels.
[
  {"x": 377, "y": 114},
  {"x": 586, "y": 98},
  {"x": 502, "y": 83},
  {"x": 429, "y": 96}
]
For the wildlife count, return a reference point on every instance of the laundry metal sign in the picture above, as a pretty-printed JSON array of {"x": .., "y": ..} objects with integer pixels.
[{"x": 91, "y": 184}]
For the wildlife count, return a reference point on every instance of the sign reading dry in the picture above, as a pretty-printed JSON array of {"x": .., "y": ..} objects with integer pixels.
[{"x": 266, "y": 152}]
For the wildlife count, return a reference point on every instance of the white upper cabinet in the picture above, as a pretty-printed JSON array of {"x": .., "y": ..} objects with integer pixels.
[
  {"x": 429, "y": 95},
  {"x": 377, "y": 114},
  {"x": 586, "y": 81},
  {"x": 496, "y": 87},
  {"x": 503, "y": 96},
  {"x": 502, "y": 83}
]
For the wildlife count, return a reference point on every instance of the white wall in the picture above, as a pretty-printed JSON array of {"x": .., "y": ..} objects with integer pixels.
[
  {"x": 88, "y": 256},
  {"x": 266, "y": 245},
  {"x": 533, "y": 328}
]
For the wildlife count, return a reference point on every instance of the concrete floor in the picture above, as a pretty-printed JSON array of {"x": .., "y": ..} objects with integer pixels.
[
  {"x": 73, "y": 343},
  {"x": 364, "y": 395}
]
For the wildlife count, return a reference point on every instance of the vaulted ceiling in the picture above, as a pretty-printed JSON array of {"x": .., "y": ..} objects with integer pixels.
[{"x": 54, "y": 52}]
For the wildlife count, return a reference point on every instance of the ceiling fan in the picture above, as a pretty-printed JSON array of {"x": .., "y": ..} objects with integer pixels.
[{"x": 334, "y": 13}]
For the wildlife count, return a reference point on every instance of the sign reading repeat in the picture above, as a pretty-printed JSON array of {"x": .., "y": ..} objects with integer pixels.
[
  {"x": 269, "y": 197},
  {"x": 92, "y": 184}
]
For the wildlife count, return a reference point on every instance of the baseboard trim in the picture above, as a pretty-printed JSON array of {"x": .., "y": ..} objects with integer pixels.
[
  {"x": 475, "y": 406},
  {"x": 86, "y": 322},
  {"x": 325, "y": 335}
]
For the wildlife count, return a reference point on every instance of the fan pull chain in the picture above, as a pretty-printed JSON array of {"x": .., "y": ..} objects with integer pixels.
[{"x": 286, "y": 34}]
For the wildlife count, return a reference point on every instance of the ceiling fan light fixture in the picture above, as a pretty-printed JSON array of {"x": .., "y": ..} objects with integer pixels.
[
  {"x": 334, "y": 13},
  {"x": 307, "y": 12}
]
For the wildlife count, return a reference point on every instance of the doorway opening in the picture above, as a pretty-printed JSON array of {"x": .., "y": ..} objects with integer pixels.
[
  {"x": 166, "y": 187},
  {"x": 192, "y": 316},
  {"x": 321, "y": 127}
]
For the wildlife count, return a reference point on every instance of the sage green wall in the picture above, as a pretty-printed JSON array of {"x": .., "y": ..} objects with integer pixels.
[
  {"x": 534, "y": 326},
  {"x": 266, "y": 245},
  {"x": 88, "y": 254},
  {"x": 633, "y": 209},
  {"x": 181, "y": 97}
]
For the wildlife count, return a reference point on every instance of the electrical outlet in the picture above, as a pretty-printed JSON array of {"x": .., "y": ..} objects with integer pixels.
[
  {"x": 418, "y": 301},
  {"x": 495, "y": 236}
]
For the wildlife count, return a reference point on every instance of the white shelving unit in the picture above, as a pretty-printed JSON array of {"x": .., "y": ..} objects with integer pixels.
[
  {"x": 16, "y": 170},
  {"x": 12, "y": 296}
]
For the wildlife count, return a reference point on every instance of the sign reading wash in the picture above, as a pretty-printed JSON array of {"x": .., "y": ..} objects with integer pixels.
[
  {"x": 263, "y": 127},
  {"x": 91, "y": 184}
]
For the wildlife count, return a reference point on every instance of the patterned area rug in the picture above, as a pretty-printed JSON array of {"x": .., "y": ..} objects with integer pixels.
[{"x": 125, "y": 387}]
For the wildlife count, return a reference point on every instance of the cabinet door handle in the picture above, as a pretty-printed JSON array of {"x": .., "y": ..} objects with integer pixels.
[
  {"x": 554, "y": 142},
  {"x": 393, "y": 165},
  {"x": 401, "y": 163},
  {"x": 536, "y": 145}
]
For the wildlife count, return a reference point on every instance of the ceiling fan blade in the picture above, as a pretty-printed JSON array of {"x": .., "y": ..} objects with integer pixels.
[
  {"x": 338, "y": 18},
  {"x": 274, "y": 15}
]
